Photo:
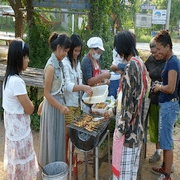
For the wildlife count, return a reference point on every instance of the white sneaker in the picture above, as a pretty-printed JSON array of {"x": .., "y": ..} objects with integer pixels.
[
  {"x": 155, "y": 157},
  {"x": 161, "y": 177}
]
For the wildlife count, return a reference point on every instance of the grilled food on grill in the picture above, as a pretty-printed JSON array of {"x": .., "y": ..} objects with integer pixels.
[
  {"x": 80, "y": 124},
  {"x": 91, "y": 126},
  {"x": 88, "y": 128},
  {"x": 86, "y": 118},
  {"x": 100, "y": 105},
  {"x": 87, "y": 123}
]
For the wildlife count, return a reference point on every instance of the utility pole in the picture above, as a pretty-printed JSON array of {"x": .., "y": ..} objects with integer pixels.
[
  {"x": 168, "y": 14},
  {"x": 72, "y": 23}
]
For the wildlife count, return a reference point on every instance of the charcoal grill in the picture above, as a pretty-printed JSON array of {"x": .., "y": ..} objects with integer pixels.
[{"x": 84, "y": 139}]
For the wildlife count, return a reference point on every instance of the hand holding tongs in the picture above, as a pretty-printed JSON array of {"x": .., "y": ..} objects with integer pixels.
[{"x": 73, "y": 116}]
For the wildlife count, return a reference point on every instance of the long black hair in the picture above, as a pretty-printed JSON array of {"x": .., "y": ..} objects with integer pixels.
[
  {"x": 76, "y": 41},
  {"x": 59, "y": 39},
  {"x": 17, "y": 50},
  {"x": 125, "y": 44}
]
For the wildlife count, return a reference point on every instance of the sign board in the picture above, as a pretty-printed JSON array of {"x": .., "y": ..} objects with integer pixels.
[
  {"x": 178, "y": 24},
  {"x": 158, "y": 22},
  {"x": 148, "y": 6},
  {"x": 159, "y": 16},
  {"x": 143, "y": 20},
  {"x": 63, "y": 4}
]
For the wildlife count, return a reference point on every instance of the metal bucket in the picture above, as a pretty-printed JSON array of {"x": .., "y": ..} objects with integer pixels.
[{"x": 56, "y": 171}]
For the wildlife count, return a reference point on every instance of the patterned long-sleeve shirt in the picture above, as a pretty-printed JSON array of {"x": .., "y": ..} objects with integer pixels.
[{"x": 134, "y": 86}]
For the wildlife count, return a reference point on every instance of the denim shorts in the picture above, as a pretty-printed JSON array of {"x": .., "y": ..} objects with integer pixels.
[{"x": 168, "y": 116}]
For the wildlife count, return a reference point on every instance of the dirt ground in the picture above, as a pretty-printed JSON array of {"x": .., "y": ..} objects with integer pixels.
[{"x": 103, "y": 170}]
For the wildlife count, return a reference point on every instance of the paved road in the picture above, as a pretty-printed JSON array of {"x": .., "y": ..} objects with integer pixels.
[
  {"x": 145, "y": 46},
  {"x": 140, "y": 46}
]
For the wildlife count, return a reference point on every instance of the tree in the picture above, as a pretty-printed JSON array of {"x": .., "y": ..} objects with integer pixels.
[
  {"x": 116, "y": 15},
  {"x": 21, "y": 16},
  {"x": 99, "y": 25},
  {"x": 29, "y": 8},
  {"x": 175, "y": 14},
  {"x": 17, "y": 5},
  {"x": 99, "y": 17},
  {"x": 123, "y": 14}
]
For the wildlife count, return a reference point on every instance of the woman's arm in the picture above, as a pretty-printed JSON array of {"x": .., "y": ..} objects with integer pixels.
[
  {"x": 71, "y": 86},
  {"x": 100, "y": 77},
  {"x": 84, "y": 88},
  {"x": 170, "y": 87},
  {"x": 40, "y": 107},
  {"x": 49, "y": 74},
  {"x": 26, "y": 103}
]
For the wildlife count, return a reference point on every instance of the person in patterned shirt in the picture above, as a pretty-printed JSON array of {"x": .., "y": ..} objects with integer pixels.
[{"x": 129, "y": 109}]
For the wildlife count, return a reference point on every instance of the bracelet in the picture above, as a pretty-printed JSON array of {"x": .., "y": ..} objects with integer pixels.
[{"x": 160, "y": 87}]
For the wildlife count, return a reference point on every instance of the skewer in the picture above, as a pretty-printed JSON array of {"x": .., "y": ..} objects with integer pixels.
[
  {"x": 89, "y": 125},
  {"x": 73, "y": 116}
]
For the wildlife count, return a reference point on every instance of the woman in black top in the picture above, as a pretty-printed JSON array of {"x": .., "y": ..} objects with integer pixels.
[{"x": 154, "y": 65}]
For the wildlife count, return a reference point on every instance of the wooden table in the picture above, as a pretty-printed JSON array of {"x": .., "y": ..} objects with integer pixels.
[
  {"x": 32, "y": 77},
  {"x": 7, "y": 38}
]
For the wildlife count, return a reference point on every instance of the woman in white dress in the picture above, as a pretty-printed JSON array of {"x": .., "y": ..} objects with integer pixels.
[{"x": 19, "y": 156}]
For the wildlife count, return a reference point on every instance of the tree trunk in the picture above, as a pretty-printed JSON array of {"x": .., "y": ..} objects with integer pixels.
[
  {"x": 29, "y": 8},
  {"x": 19, "y": 24},
  {"x": 19, "y": 19}
]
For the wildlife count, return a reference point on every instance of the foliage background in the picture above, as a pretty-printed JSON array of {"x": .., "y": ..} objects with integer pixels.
[{"x": 105, "y": 19}]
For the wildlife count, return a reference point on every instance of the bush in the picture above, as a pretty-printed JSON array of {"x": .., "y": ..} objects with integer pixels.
[
  {"x": 145, "y": 38},
  {"x": 37, "y": 39},
  {"x": 112, "y": 125},
  {"x": 36, "y": 97},
  {"x": 35, "y": 122},
  {"x": 38, "y": 42}
]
